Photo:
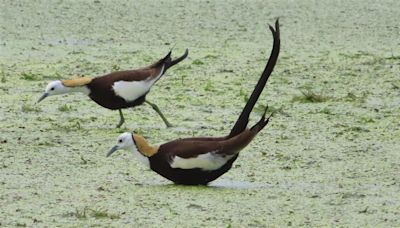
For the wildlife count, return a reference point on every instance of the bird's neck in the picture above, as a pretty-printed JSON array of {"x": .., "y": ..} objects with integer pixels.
[
  {"x": 82, "y": 89},
  {"x": 142, "y": 158},
  {"x": 142, "y": 150},
  {"x": 77, "y": 85},
  {"x": 143, "y": 146}
]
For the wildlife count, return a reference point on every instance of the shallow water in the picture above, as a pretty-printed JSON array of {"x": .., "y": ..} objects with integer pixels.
[
  {"x": 220, "y": 183},
  {"x": 329, "y": 157},
  {"x": 231, "y": 184}
]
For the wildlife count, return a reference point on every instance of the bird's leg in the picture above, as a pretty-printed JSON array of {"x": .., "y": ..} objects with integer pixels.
[
  {"x": 155, "y": 107},
  {"x": 121, "y": 120}
]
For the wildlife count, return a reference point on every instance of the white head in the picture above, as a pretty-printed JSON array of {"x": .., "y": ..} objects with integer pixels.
[
  {"x": 54, "y": 88},
  {"x": 124, "y": 141},
  {"x": 131, "y": 142}
]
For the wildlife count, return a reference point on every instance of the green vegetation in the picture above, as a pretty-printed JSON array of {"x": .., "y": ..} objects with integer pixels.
[
  {"x": 30, "y": 108},
  {"x": 3, "y": 77},
  {"x": 308, "y": 96},
  {"x": 208, "y": 86},
  {"x": 65, "y": 108},
  {"x": 197, "y": 62},
  {"x": 30, "y": 76},
  {"x": 329, "y": 158},
  {"x": 87, "y": 212}
]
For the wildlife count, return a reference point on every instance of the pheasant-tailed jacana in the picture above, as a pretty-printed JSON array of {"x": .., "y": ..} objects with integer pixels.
[
  {"x": 197, "y": 161},
  {"x": 118, "y": 90}
]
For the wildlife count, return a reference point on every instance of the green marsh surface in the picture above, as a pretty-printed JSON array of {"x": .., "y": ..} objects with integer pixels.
[{"x": 330, "y": 156}]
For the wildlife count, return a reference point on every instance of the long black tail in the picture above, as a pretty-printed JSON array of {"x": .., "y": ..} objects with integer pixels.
[
  {"x": 243, "y": 120},
  {"x": 262, "y": 122},
  {"x": 169, "y": 63}
]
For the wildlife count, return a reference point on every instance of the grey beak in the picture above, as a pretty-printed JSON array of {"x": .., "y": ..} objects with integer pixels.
[
  {"x": 42, "y": 97},
  {"x": 115, "y": 148}
]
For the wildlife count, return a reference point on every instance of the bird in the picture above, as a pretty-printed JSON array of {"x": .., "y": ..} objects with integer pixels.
[
  {"x": 118, "y": 90},
  {"x": 200, "y": 160}
]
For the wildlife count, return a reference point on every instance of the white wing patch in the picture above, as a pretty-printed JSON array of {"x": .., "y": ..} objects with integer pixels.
[
  {"x": 131, "y": 91},
  {"x": 209, "y": 161}
]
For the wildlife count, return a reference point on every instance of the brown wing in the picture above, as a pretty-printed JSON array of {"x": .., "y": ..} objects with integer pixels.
[
  {"x": 130, "y": 75},
  {"x": 192, "y": 147},
  {"x": 204, "y": 139},
  {"x": 187, "y": 148},
  {"x": 146, "y": 73},
  {"x": 105, "y": 83}
]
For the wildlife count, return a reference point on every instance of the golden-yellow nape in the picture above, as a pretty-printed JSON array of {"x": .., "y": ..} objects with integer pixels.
[
  {"x": 143, "y": 146},
  {"x": 76, "y": 81}
]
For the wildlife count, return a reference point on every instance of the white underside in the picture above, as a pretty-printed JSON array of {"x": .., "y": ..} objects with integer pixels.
[
  {"x": 82, "y": 89},
  {"x": 143, "y": 159},
  {"x": 131, "y": 91},
  {"x": 209, "y": 161}
]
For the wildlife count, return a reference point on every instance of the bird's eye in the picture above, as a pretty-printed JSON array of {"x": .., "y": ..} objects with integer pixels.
[
  {"x": 52, "y": 88},
  {"x": 120, "y": 140}
]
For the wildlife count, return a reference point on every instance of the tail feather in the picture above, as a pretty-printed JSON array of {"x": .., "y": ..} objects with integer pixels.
[
  {"x": 242, "y": 121},
  {"x": 169, "y": 62},
  {"x": 167, "y": 58},
  {"x": 262, "y": 122},
  {"x": 177, "y": 60}
]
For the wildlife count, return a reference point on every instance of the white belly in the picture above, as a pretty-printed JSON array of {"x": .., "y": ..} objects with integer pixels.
[{"x": 209, "y": 161}]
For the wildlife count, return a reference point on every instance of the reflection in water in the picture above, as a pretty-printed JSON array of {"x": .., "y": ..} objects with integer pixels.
[{"x": 221, "y": 183}]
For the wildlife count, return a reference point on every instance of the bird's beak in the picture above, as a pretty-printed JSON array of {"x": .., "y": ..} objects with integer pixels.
[
  {"x": 42, "y": 97},
  {"x": 115, "y": 148}
]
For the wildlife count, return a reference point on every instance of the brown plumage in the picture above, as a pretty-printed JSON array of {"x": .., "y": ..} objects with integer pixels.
[
  {"x": 118, "y": 90},
  {"x": 199, "y": 160}
]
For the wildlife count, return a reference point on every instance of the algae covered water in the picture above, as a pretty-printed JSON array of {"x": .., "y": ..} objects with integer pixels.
[{"x": 329, "y": 157}]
